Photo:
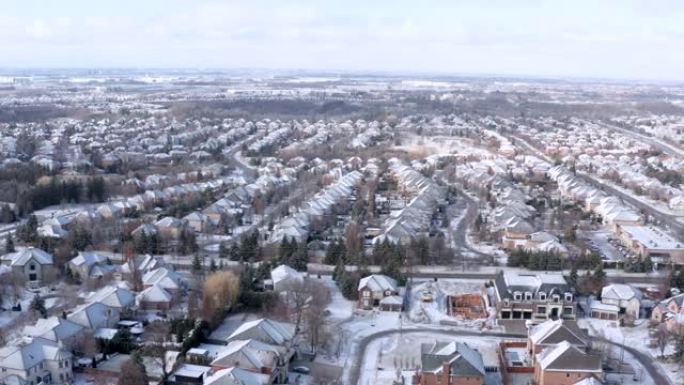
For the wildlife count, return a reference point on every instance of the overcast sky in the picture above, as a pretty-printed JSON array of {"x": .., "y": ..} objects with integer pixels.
[{"x": 627, "y": 39}]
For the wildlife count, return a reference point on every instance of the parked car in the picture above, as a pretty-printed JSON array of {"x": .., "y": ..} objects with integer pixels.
[{"x": 301, "y": 369}]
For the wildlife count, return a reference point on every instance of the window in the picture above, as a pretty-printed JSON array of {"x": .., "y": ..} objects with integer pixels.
[
  {"x": 542, "y": 296},
  {"x": 556, "y": 298},
  {"x": 541, "y": 309},
  {"x": 568, "y": 297},
  {"x": 517, "y": 296},
  {"x": 528, "y": 296},
  {"x": 33, "y": 277},
  {"x": 32, "y": 267}
]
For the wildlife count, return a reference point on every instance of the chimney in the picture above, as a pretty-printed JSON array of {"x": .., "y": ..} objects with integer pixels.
[{"x": 445, "y": 372}]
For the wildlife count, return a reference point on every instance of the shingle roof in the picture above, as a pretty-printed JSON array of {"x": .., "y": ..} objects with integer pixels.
[
  {"x": 264, "y": 330},
  {"x": 566, "y": 357},
  {"x": 22, "y": 257},
  {"x": 553, "y": 332},
  {"x": 463, "y": 360},
  {"x": 378, "y": 282}
]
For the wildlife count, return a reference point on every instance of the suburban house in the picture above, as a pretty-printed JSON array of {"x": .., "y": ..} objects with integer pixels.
[
  {"x": 531, "y": 296},
  {"x": 154, "y": 298},
  {"x": 373, "y": 288},
  {"x": 34, "y": 264},
  {"x": 254, "y": 356},
  {"x": 268, "y": 332},
  {"x": 95, "y": 316},
  {"x": 453, "y": 363},
  {"x": 38, "y": 361},
  {"x": 600, "y": 310},
  {"x": 170, "y": 227},
  {"x": 565, "y": 364},
  {"x": 237, "y": 376},
  {"x": 671, "y": 312},
  {"x": 625, "y": 297},
  {"x": 55, "y": 329},
  {"x": 283, "y": 277},
  {"x": 551, "y": 333},
  {"x": 88, "y": 264},
  {"x": 164, "y": 278},
  {"x": 188, "y": 374},
  {"x": 672, "y": 305},
  {"x": 198, "y": 221},
  {"x": 516, "y": 232}
]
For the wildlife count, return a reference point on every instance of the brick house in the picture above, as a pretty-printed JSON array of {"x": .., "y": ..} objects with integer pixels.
[
  {"x": 565, "y": 364},
  {"x": 453, "y": 363}
]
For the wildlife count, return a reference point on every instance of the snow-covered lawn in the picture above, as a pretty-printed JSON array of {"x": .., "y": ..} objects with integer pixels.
[
  {"x": 636, "y": 337},
  {"x": 339, "y": 308},
  {"x": 387, "y": 358}
]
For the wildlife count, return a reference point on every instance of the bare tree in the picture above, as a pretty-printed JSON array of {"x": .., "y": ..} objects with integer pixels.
[
  {"x": 298, "y": 296},
  {"x": 84, "y": 344},
  {"x": 133, "y": 372},
  {"x": 156, "y": 347},
  {"x": 315, "y": 313},
  {"x": 220, "y": 291},
  {"x": 662, "y": 336},
  {"x": 16, "y": 282},
  {"x": 135, "y": 278}
]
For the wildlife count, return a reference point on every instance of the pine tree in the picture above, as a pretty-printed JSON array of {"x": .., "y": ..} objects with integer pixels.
[
  {"x": 196, "y": 264},
  {"x": 212, "y": 265},
  {"x": 9, "y": 244},
  {"x": 301, "y": 258},
  {"x": 38, "y": 305},
  {"x": 573, "y": 276},
  {"x": 223, "y": 250},
  {"x": 234, "y": 253},
  {"x": 339, "y": 270}
]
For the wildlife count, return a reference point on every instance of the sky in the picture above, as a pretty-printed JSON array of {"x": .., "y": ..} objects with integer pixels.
[{"x": 616, "y": 39}]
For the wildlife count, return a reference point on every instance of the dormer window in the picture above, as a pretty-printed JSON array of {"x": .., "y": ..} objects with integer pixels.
[
  {"x": 568, "y": 297},
  {"x": 542, "y": 296},
  {"x": 517, "y": 296},
  {"x": 556, "y": 298},
  {"x": 528, "y": 296}
]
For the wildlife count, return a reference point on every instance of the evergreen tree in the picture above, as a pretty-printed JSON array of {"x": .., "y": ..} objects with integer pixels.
[
  {"x": 301, "y": 258},
  {"x": 7, "y": 214},
  {"x": 9, "y": 244},
  {"x": 234, "y": 253},
  {"x": 573, "y": 278},
  {"x": 38, "y": 305},
  {"x": 339, "y": 270},
  {"x": 212, "y": 265},
  {"x": 29, "y": 232},
  {"x": 223, "y": 250},
  {"x": 196, "y": 264}
]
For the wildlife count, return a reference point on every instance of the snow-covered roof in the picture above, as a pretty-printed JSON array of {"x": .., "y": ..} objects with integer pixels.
[
  {"x": 619, "y": 291},
  {"x": 23, "y": 256},
  {"x": 378, "y": 282},
  {"x": 264, "y": 330}
]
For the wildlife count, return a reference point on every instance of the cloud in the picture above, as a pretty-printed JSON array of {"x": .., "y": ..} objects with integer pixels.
[{"x": 579, "y": 38}]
